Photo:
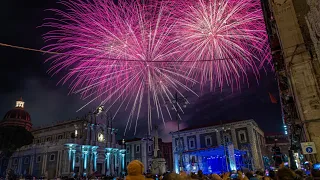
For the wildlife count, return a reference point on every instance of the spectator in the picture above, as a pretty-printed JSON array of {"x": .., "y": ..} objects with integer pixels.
[
  {"x": 272, "y": 175},
  {"x": 172, "y": 176},
  {"x": 315, "y": 174},
  {"x": 299, "y": 173},
  {"x": 135, "y": 170},
  {"x": 286, "y": 174}
]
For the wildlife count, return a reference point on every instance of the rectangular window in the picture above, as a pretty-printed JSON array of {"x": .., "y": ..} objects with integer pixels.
[
  {"x": 128, "y": 150},
  {"x": 38, "y": 159},
  {"x": 138, "y": 148},
  {"x": 191, "y": 143},
  {"x": 242, "y": 137},
  {"x": 208, "y": 141},
  {"x": 26, "y": 160},
  {"x": 149, "y": 148},
  {"x": 52, "y": 157}
]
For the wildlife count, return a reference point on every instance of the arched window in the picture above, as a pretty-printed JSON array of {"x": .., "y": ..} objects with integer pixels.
[{"x": 52, "y": 157}]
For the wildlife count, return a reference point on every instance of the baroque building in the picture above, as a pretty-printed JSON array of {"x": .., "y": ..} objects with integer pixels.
[
  {"x": 74, "y": 147},
  {"x": 293, "y": 28},
  {"x": 142, "y": 149},
  {"x": 242, "y": 141}
]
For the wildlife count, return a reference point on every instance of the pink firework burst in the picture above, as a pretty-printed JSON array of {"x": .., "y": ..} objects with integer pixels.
[
  {"x": 120, "y": 54},
  {"x": 223, "y": 39}
]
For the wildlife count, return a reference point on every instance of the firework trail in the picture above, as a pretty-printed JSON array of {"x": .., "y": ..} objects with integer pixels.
[
  {"x": 223, "y": 39},
  {"x": 111, "y": 51}
]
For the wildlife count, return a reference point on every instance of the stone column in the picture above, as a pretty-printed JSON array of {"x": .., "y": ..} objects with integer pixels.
[
  {"x": 111, "y": 163},
  {"x": 123, "y": 162},
  {"x": 144, "y": 155},
  {"x": 73, "y": 160},
  {"x": 69, "y": 160},
  {"x": 108, "y": 155},
  {"x": 176, "y": 162},
  {"x": 85, "y": 162},
  {"x": 219, "y": 140},
  {"x": 132, "y": 152},
  {"x": 66, "y": 161},
  {"x": 44, "y": 163},
  {"x": 61, "y": 163},
  {"x": 104, "y": 167},
  {"x": 254, "y": 150},
  {"x": 198, "y": 141},
  {"x": 95, "y": 156},
  {"x": 234, "y": 138},
  {"x": 31, "y": 164},
  {"x": 58, "y": 164},
  {"x": 185, "y": 142}
]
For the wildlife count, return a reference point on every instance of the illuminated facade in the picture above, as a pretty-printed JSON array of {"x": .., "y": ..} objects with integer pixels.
[
  {"x": 242, "y": 142},
  {"x": 75, "y": 147}
]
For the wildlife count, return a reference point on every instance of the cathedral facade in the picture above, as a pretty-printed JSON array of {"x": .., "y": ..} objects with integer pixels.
[{"x": 76, "y": 147}]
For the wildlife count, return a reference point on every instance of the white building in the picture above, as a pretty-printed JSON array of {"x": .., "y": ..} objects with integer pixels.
[
  {"x": 67, "y": 148},
  {"x": 198, "y": 144}
]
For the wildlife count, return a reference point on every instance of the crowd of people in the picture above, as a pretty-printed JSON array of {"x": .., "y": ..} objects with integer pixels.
[{"x": 135, "y": 171}]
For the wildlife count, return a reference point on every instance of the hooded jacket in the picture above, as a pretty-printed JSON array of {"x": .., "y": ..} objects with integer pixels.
[{"x": 135, "y": 170}]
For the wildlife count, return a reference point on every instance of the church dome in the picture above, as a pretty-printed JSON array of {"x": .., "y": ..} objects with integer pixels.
[{"x": 17, "y": 117}]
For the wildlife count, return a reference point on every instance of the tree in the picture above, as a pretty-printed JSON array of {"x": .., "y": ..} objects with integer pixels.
[{"x": 13, "y": 138}]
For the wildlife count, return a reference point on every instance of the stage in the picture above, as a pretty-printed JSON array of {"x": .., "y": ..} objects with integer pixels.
[{"x": 214, "y": 160}]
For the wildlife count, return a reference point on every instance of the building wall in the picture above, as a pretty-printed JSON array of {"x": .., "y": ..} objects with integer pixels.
[
  {"x": 242, "y": 134},
  {"x": 57, "y": 151},
  {"x": 313, "y": 23},
  {"x": 301, "y": 62},
  {"x": 166, "y": 150},
  {"x": 146, "y": 156}
]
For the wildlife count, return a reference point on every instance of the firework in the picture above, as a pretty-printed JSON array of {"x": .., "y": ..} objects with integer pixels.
[
  {"x": 222, "y": 40},
  {"x": 122, "y": 55}
]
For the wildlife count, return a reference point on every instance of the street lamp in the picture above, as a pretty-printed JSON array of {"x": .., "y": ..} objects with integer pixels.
[{"x": 176, "y": 106}]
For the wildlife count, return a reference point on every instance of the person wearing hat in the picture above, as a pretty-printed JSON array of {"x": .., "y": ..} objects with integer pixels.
[{"x": 135, "y": 171}]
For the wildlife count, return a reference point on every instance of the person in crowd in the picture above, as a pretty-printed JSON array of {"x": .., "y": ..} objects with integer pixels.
[
  {"x": 172, "y": 176},
  {"x": 259, "y": 174},
  {"x": 286, "y": 174},
  {"x": 272, "y": 175},
  {"x": 149, "y": 176},
  {"x": 315, "y": 174},
  {"x": 135, "y": 171}
]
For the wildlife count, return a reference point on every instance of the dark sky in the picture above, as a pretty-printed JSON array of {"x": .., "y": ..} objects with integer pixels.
[{"x": 23, "y": 73}]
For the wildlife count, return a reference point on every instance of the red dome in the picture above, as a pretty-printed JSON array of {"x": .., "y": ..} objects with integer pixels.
[{"x": 17, "y": 117}]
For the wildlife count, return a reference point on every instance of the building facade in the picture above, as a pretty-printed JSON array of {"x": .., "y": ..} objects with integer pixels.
[
  {"x": 293, "y": 26},
  {"x": 142, "y": 149},
  {"x": 75, "y": 147},
  {"x": 244, "y": 136},
  {"x": 277, "y": 140}
]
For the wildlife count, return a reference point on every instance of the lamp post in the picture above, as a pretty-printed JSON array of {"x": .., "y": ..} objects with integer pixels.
[
  {"x": 176, "y": 106},
  {"x": 224, "y": 144}
]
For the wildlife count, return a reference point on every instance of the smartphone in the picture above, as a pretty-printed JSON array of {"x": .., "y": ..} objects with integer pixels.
[{"x": 234, "y": 176}]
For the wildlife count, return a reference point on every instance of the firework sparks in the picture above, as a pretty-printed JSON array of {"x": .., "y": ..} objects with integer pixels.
[
  {"x": 225, "y": 39},
  {"x": 111, "y": 49}
]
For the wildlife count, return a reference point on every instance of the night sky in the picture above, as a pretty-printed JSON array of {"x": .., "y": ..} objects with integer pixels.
[{"x": 23, "y": 73}]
